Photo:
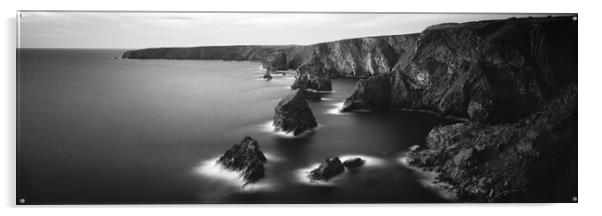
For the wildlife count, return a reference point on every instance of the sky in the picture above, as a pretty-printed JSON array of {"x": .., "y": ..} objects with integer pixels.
[{"x": 127, "y": 30}]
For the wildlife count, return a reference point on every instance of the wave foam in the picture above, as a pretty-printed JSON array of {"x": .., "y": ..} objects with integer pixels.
[
  {"x": 337, "y": 109},
  {"x": 214, "y": 171},
  {"x": 428, "y": 179}
]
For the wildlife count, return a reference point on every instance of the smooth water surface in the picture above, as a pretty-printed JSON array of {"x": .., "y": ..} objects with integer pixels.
[{"x": 95, "y": 129}]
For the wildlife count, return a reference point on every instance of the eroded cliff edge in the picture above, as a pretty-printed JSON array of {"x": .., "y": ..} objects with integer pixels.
[
  {"x": 360, "y": 57},
  {"x": 487, "y": 71},
  {"x": 515, "y": 83}
]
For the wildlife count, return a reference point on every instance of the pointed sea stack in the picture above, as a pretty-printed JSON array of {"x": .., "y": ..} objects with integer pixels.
[
  {"x": 245, "y": 158},
  {"x": 328, "y": 168},
  {"x": 267, "y": 75},
  {"x": 292, "y": 114}
]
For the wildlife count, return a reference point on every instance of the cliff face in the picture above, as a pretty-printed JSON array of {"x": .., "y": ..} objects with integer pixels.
[
  {"x": 533, "y": 159},
  {"x": 359, "y": 57},
  {"x": 488, "y": 71},
  {"x": 237, "y": 53},
  {"x": 516, "y": 82}
]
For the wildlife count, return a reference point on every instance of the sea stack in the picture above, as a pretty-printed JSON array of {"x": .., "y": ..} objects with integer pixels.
[
  {"x": 311, "y": 96},
  {"x": 370, "y": 94},
  {"x": 245, "y": 158},
  {"x": 267, "y": 75},
  {"x": 292, "y": 114},
  {"x": 311, "y": 75},
  {"x": 329, "y": 168}
]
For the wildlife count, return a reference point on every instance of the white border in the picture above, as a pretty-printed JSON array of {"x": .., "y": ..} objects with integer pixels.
[{"x": 589, "y": 109}]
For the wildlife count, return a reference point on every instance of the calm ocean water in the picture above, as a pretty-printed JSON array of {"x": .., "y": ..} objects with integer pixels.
[{"x": 94, "y": 129}]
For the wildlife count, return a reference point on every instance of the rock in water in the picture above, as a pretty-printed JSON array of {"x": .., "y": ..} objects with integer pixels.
[
  {"x": 267, "y": 75},
  {"x": 372, "y": 93},
  {"x": 327, "y": 169},
  {"x": 307, "y": 81},
  {"x": 311, "y": 96},
  {"x": 311, "y": 75},
  {"x": 276, "y": 61},
  {"x": 353, "y": 163},
  {"x": 292, "y": 114},
  {"x": 245, "y": 158}
]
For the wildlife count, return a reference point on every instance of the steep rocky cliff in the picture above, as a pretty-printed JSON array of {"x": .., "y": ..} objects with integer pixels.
[
  {"x": 238, "y": 53},
  {"x": 531, "y": 160},
  {"x": 488, "y": 71},
  {"x": 515, "y": 81},
  {"x": 359, "y": 57}
]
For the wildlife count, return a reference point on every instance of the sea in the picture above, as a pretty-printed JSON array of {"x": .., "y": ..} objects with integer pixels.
[{"x": 97, "y": 129}]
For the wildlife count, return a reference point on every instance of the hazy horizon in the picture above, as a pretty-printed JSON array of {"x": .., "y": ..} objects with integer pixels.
[{"x": 135, "y": 30}]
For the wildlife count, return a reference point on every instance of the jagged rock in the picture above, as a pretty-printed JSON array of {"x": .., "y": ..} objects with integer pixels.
[
  {"x": 311, "y": 75},
  {"x": 292, "y": 114},
  {"x": 276, "y": 61},
  {"x": 518, "y": 162},
  {"x": 267, "y": 75},
  {"x": 359, "y": 57},
  {"x": 245, "y": 158},
  {"x": 312, "y": 83},
  {"x": 371, "y": 93},
  {"x": 310, "y": 96},
  {"x": 327, "y": 169},
  {"x": 488, "y": 71},
  {"x": 353, "y": 163}
]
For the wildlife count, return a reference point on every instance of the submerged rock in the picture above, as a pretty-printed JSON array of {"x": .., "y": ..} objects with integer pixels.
[
  {"x": 292, "y": 114},
  {"x": 245, "y": 158},
  {"x": 267, "y": 75},
  {"x": 372, "y": 93},
  {"x": 327, "y": 169},
  {"x": 353, "y": 163},
  {"x": 276, "y": 61},
  {"x": 518, "y": 162}
]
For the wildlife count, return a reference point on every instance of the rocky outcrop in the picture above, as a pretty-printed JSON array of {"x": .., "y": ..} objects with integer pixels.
[
  {"x": 245, "y": 158},
  {"x": 531, "y": 160},
  {"x": 327, "y": 169},
  {"x": 353, "y": 163},
  {"x": 266, "y": 75},
  {"x": 276, "y": 61},
  {"x": 310, "y": 82},
  {"x": 360, "y": 57},
  {"x": 370, "y": 94},
  {"x": 312, "y": 75},
  {"x": 487, "y": 71},
  {"x": 292, "y": 114},
  {"x": 311, "y": 96}
]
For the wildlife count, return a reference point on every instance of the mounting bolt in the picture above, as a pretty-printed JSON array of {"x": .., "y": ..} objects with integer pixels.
[
  {"x": 21, "y": 200},
  {"x": 574, "y": 199}
]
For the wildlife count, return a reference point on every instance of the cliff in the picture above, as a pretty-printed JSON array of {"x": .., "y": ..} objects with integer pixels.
[
  {"x": 361, "y": 57},
  {"x": 531, "y": 160},
  {"x": 487, "y": 71},
  {"x": 515, "y": 81},
  {"x": 232, "y": 53}
]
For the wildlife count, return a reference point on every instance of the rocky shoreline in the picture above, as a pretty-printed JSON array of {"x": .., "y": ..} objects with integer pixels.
[{"x": 513, "y": 81}]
